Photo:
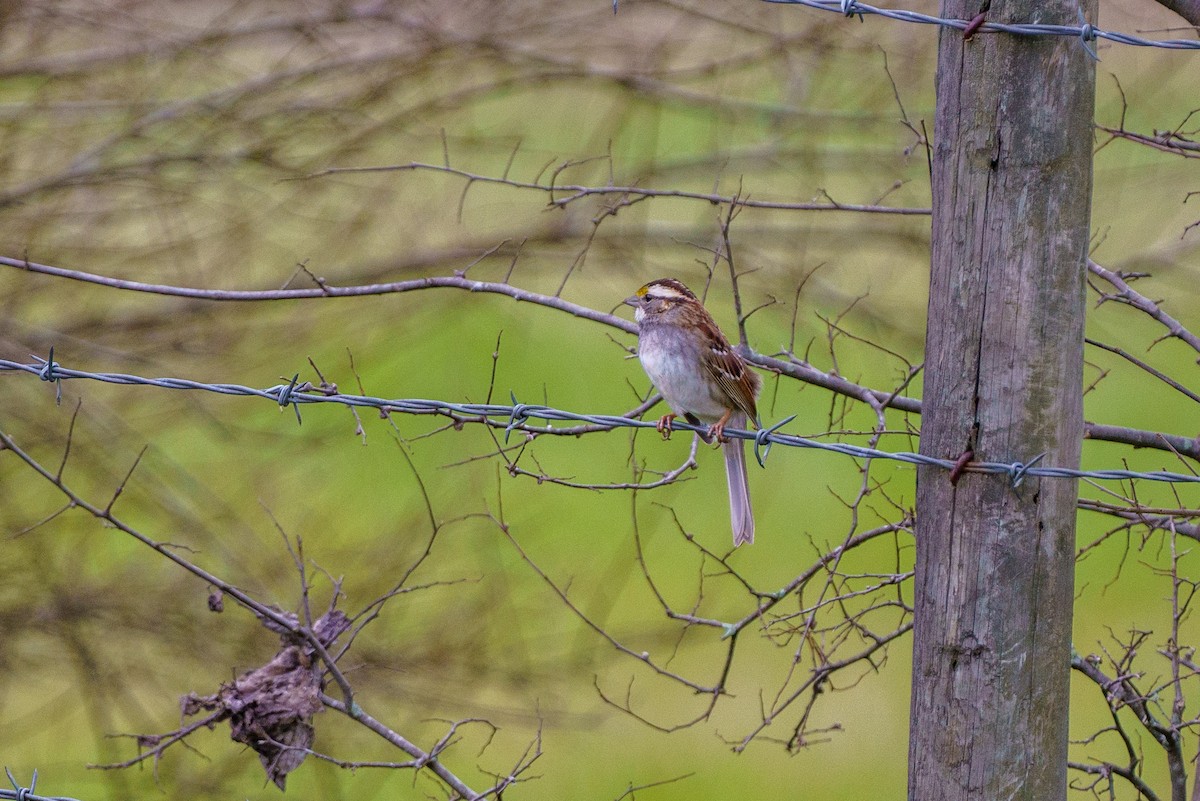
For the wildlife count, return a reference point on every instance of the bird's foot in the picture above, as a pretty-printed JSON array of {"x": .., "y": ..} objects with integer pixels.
[
  {"x": 664, "y": 425},
  {"x": 716, "y": 432}
]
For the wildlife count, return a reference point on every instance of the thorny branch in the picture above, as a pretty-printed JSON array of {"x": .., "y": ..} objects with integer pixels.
[
  {"x": 1159, "y": 709},
  {"x": 792, "y": 365},
  {"x": 562, "y": 195},
  {"x": 844, "y": 622},
  {"x": 1176, "y": 141},
  {"x": 270, "y": 706},
  {"x": 1126, "y": 294}
]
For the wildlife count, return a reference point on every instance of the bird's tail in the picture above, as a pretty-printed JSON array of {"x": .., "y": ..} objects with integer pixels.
[{"x": 740, "y": 514}]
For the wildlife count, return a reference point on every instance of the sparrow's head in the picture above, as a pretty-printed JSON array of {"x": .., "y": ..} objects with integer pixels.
[{"x": 660, "y": 296}]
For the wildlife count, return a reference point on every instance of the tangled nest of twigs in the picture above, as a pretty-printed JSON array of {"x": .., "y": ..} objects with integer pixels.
[{"x": 270, "y": 708}]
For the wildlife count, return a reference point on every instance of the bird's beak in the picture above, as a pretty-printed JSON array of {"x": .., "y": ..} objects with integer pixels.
[{"x": 632, "y": 301}]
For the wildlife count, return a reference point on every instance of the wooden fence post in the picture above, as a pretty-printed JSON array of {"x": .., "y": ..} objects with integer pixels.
[{"x": 1012, "y": 180}]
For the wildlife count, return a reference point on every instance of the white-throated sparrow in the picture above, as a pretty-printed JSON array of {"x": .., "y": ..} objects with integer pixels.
[{"x": 701, "y": 378}]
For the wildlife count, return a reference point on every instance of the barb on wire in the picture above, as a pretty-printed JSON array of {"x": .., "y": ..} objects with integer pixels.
[
  {"x": 20, "y": 793},
  {"x": 286, "y": 396},
  {"x": 47, "y": 374},
  {"x": 1017, "y": 471},
  {"x": 1085, "y": 33},
  {"x": 762, "y": 441},
  {"x": 515, "y": 417}
]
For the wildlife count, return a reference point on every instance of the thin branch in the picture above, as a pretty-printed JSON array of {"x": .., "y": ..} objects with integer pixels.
[
  {"x": 329, "y": 290},
  {"x": 1128, "y": 295},
  {"x": 791, "y": 367},
  {"x": 574, "y": 192}
]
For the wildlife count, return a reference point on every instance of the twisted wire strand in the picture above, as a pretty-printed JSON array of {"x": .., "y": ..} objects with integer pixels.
[
  {"x": 514, "y": 416},
  {"x": 19, "y": 793},
  {"x": 27, "y": 794},
  {"x": 1085, "y": 32}
]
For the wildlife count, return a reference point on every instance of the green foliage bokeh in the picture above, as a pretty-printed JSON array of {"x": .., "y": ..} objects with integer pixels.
[{"x": 182, "y": 151}]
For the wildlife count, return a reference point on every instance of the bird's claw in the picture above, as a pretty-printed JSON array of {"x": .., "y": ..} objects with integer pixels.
[
  {"x": 716, "y": 432},
  {"x": 664, "y": 425}
]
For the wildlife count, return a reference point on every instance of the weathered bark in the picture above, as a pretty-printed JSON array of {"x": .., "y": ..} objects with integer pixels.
[{"x": 1003, "y": 377}]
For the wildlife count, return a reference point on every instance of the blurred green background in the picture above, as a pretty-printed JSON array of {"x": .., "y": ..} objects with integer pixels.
[{"x": 177, "y": 144}]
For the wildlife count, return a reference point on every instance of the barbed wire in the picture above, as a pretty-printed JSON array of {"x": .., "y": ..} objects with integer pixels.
[
  {"x": 20, "y": 793},
  {"x": 515, "y": 416},
  {"x": 1085, "y": 32}
]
